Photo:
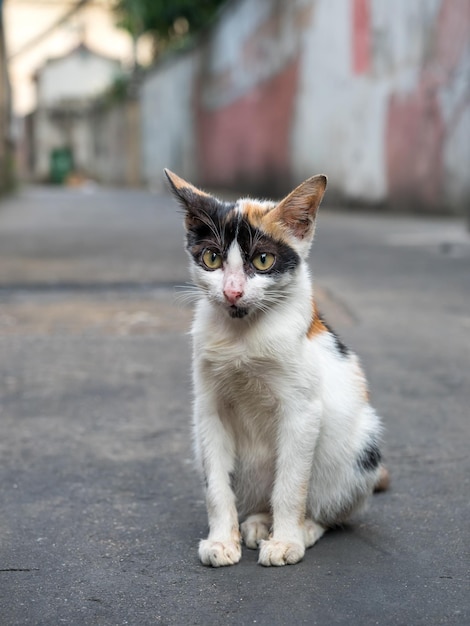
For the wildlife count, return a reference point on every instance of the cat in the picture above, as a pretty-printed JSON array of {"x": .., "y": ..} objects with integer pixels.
[{"x": 284, "y": 433}]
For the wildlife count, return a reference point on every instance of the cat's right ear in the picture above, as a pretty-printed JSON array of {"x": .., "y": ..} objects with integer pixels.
[
  {"x": 195, "y": 201},
  {"x": 183, "y": 190}
]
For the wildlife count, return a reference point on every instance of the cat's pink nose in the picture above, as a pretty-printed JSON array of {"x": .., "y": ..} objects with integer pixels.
[{"x": 232, "y": 295}]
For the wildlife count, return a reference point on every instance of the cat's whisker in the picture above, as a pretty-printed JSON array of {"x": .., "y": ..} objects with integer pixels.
[
  {"x": 263, "y": 306},
  {"x": 188, "y": 294},
  {"x": 188, "y": 288},
  {"x": 193, "y": 289},
  {"x": 212, "y": 226},
  {"x": 275, "y": 298},
  {"x": 208, "y": 242}
]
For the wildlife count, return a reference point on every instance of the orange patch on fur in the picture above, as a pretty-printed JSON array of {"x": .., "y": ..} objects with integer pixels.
[
  {"x": 316, "y": 326},
  {"x": 276, "y": 229},
  {"x": 383, "y": 482},
  {"x": 303, "y": 509},
  {"x": 264, "y": 217},
  {"x": 255, "y": 212},
  {"x": 361, "y": 381}
]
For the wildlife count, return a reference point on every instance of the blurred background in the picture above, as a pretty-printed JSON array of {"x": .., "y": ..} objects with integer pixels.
[
  {"x": 100, "y": 506},
  {"x": 238, "y": 94}
]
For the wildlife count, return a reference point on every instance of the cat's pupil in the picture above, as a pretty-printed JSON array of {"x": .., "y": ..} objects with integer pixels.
[
  {"x": 213, "y": 257},
  {"x": 262, "y": 258}
]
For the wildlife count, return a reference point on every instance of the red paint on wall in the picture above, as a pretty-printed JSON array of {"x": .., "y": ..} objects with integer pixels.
[
  {"x": 414, "y": 137},
  {"x": 452, "y": 35},
  {"x": 416, "y": 130},
  {"x": 361, "y": 36},
  {"x": 249, "y": 139}
]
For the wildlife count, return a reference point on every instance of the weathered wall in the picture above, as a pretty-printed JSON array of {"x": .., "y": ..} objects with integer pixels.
[
  {"x": 114, "y": 156},
  {"x": 168, "y": 129},
  {"x": 110, "y": 134},
  {"x": 375, "y": 94},
  {"x": 247, "y": 94}
]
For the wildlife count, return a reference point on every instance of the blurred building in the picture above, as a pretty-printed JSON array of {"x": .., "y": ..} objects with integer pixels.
[
  {"x": 6, "y": 163},
  {"x": 37, "y": 30},
  {"x": 61, "y": 136},
  {"x": 374, "y": 94}
]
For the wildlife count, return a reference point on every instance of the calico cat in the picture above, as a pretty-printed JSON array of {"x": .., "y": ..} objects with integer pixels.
[{"x": 285, "y": 435}]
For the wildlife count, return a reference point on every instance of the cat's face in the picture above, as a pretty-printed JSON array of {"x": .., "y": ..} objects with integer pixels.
[
  {"x": 245, "y": 253},
  {"x": 238, "y": 265}
]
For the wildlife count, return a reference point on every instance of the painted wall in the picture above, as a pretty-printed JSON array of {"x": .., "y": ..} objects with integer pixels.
[
  {"x": 168, "y": 118},
  {"x": 114, "y": 156},
  {"x": 108, "y": 154},
  {"x": 375, "y": 94}
]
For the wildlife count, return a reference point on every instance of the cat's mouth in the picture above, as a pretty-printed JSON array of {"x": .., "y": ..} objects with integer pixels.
[{"x": 237, "y": 311}]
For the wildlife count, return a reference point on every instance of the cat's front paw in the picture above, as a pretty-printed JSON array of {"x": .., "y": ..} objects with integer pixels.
[
  {"x": 218, "y": 553},
  {"x": 273, "y": 552}
]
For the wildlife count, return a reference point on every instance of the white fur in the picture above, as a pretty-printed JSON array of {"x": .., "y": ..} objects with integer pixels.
[{"x": 279, "y": 421}]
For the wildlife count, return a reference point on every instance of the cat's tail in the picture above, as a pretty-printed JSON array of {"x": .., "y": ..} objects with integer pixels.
[{"x": 383, "y": 481}]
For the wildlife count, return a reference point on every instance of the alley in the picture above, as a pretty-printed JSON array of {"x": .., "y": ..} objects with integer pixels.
[{"x": 101, "y": 509}]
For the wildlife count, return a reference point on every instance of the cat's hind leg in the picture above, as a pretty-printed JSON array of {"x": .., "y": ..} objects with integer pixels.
[
  {"x": 256, "y": 528},
  {"x": 383, "y": 481},
  {"x": 312, "y": 532}
]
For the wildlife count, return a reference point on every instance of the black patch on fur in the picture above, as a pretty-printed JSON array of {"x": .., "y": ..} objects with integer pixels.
[
  {"x": 215, "y": 225},
  {"x": 253, "y": 241},
  {"x": 206, "y": 223},
  {"x": 237, "y": 312},
  {"x": 341, "y": 347},
  {"x": 370, "y": 457}
]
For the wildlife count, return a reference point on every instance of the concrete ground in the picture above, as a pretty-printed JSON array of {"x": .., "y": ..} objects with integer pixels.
[{"x": 101, "y": 509}]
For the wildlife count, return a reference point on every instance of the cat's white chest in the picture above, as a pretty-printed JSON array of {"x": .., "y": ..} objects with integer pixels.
[
  {"x": 251, "y": 370},
  {"x": 243, "y": 383}
]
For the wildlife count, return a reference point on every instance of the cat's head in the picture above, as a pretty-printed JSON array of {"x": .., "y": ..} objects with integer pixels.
[{"x": 245, "y": 253}]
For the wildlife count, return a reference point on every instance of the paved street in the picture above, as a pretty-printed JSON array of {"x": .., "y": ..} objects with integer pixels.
[{"x": 101, "y": 509}]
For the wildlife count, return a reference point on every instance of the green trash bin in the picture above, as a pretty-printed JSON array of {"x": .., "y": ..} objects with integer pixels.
[{"x": 60, "y": 164}]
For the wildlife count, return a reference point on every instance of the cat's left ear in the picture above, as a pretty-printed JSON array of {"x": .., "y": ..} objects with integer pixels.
[{"x": 298, "y": 210}]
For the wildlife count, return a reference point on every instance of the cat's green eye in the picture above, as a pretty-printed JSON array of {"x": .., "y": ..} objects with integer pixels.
[
  {"x": 263, "y": 261},
  {"x": 212, "y": 260}
]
